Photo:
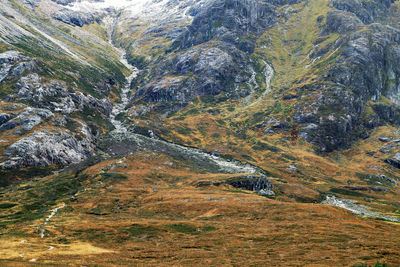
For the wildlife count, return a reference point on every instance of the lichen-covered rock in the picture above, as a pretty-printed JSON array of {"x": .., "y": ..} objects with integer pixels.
[
  {"x": 227, "y": 20},
  {"x": 211, "y": 58},
  {"x": 14, "y": 64},
  {"x": 251, "y": 182},
  {"x": 28, "y": 119},
  {"x": 76, "y": 18},
  {"x": 47, "y": 148},
  {"x": 367, "y": 11}
]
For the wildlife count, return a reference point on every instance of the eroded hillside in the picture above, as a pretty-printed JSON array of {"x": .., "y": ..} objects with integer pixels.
[{"x": 218, "y": 132}]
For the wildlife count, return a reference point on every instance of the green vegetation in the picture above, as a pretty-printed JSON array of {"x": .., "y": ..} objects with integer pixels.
[
  {"x": 190, "y": 229},
  {"x": 138, "y": 230},
  {"x": 37, "y": 199},
  {"x": 113, "y": 176}
]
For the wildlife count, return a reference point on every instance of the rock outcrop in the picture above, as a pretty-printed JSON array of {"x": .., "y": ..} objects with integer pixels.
[
  {"x": 48, "y": 148},
  {"x": 366, "y": 70},
  {"x": 211, "y": 58}
]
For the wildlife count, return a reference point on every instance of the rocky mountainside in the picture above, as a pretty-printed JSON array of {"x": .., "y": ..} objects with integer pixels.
[{"x": 176, "y": 113}]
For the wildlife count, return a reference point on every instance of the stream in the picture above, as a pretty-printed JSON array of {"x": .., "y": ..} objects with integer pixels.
[{"x": 121, "y": 132}]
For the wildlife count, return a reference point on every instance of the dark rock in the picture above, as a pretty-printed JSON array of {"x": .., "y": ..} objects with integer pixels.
[
  {"x": 226, "y": 18},
  {"x": 394, "y": 161},
  {"x": 76, "y": 18},
  {"x": 27, "y": 119},
  {"x": 250, "y": 182},
  {"x": 388, "y": 148},
  {"x": 4, "y": 117},
  {"x": 367, "y": 11},
  {"x": 342, "y": 22},
  {"x": 365, "y": 70},
  {"x": 390, "y": 180},
  {"x": 385, "y": 139}
]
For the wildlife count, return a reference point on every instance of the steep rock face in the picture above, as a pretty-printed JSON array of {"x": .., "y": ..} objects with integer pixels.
[
  {"x": 228, "y": 20},
  {"x": 51, "y": 99},
  {"x": 211, "y": 58},
  {"x": 76, "y": 18},
  {"x": 366, "y": 69},
  {"x": 367, "y": 11},
  {"x": 203, "y": 71}
]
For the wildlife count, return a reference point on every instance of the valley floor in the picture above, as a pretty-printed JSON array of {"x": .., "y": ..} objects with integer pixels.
[{"x": 147, "y": 210}]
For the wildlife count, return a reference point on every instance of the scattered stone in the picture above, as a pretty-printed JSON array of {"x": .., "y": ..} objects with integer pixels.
[
  {"x": 385, "y": 139},
  {"x": 385, "y": 178},
  {"x": 292, "y": 168},
  {"x": 388, "y": 148}
]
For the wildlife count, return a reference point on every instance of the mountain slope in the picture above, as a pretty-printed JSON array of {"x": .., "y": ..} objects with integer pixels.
[{"x": 180, "y": 132}]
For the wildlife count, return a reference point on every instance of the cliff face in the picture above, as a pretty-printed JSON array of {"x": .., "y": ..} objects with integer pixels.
[
  {"x": 211, "y": 58},
  {"x": 365, "y": 70}
]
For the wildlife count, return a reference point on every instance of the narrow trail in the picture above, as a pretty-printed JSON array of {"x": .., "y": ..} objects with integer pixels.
[{"x": 48, "y": 219}]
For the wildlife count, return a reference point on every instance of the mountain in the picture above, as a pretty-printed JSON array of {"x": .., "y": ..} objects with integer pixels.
[{"x": 206, "y": 132}]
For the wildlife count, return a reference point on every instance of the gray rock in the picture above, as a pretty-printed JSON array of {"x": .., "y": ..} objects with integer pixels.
[
  {"x": 388, "y": 148},
  {"x": 27, "y": 119},
  {"x": 45, "y": 149},
  {"x": 251, "y": 182},
  {"x": 292, "y": 168},
  {"x": 4, "y": 117},
  {"x": 357, "y": 76},
  {"x": 385, "y": 178},
  {"x": 266, "y": 193},
  {"x": 394, "y": 161},
  {"x": 15, "y": 64},
  {"x": 228, "y": 20},
  {"x": 367, "y": 11},
  {"x": 342, "y": 22},
  {"x": 9, "y": 57},
  {"x": 76, "y": 18},
  {"x": 385, "y": 139},
  {"x": 22, "y": 67}
]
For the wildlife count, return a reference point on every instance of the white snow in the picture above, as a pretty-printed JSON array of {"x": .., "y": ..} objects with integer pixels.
[
  {"x": 155, "y": 11},
  {"x": 134, "y": 6}
]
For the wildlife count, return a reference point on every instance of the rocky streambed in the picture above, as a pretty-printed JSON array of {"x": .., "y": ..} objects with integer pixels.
[{"x": 356, "y": 208}]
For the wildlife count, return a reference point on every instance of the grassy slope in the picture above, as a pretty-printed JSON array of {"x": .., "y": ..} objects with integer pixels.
[
  {"x": 152, "y": 213},
  {"x": 232, "y": 132}
]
